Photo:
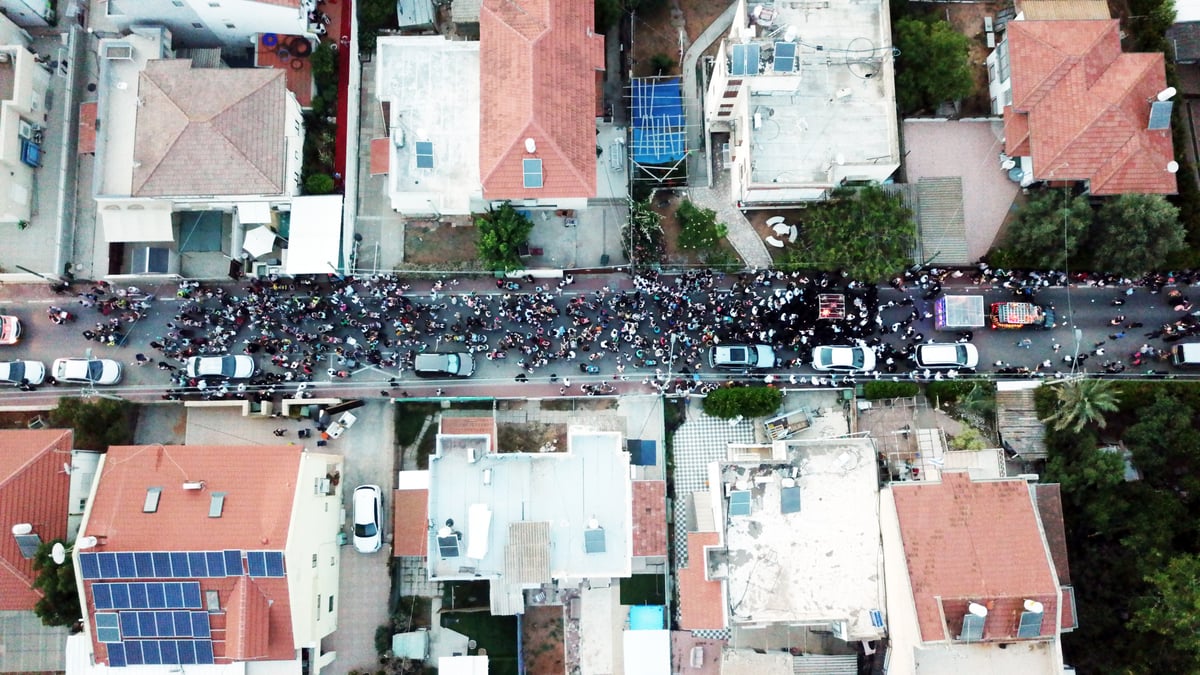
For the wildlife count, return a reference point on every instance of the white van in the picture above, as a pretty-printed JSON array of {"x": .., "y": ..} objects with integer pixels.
[{"x": 1186, "y": 354}]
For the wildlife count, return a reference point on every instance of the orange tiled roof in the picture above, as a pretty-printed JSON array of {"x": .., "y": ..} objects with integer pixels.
[
  {"x": 649, "y": 517},
  {"x": 87, "y": 128},
  {"x": 410, "y": 519},
  {"x": 701, "y": 601},
  {"x": 967, "y": 541},
  {"x": 246, "y": 621},
  {"x": 1086, "y": 105},
  {"x": 471, "y": 426},
  {"x": 380, "y": 155},
  {"x": 33, "y": 489},
  {"x": 539, "y": 59}
]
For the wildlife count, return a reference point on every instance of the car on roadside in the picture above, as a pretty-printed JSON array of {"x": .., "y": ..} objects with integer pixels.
[
  {"x": 10, "y": 329},
  {"x": 86, "y": 371},
  {"x": 14, "y": 372},
  {"x": 366, "y": 505},
  {"x": 228, "y": 367},
  {"x": 438, "y": 364},
  {"x": 758, "y": 357},
  {"x": 843, "y": 358},
  {"x": 946, "y": 355}
]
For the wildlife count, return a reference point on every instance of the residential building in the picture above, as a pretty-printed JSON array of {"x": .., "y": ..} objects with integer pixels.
[
  {"x": 29, "y": 13},
  {"x": 23, "y": 86},
  {"x": 977, "y": 576},
  {"x": 1078, "y": 109},
  {"x": 35, "y": 482},
  {"x": 539, "y": 64},
  {"x": 218, "y": 555},
  {"x": 429, "y": 89},
  {"x": 522, "y": 521},
  {"x": 232, "y": 25},
  {"x": 802, "y": 100},
  {"x": 187, "y": 156}
]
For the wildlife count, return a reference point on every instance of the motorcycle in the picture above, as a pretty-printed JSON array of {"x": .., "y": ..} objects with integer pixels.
[
  {"x": 589, "y": 368},
  {"x": 59, "y": 315}
]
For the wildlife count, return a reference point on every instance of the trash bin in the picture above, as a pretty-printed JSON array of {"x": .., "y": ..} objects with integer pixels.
[{"x": 604, "y": 260}]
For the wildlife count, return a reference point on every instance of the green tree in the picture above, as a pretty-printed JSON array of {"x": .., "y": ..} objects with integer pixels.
[
  {"x": 1134, "y": 233},
  {"x": 1172, "y": 608},
  {"x": 933, "y": 65},
  {"x": 969, "y": 439},
  {"x": 1166, "y": 447},
  {"x": 96, "y": 424},
  {"x": 729, "y": 402},
  {"x": 1050, "y": 229},
  {"x": 502, "y": 233},
  {"x": 373, "y": 17},
  {"x": 1082, "y": 402},
  {"x": 319, "y": 184},
  {"x": 867, "y": 232},
  {"x": 698, "y": 226},
  {"x": 59, "y": 604},
  {"x": 642, "y": 238}
]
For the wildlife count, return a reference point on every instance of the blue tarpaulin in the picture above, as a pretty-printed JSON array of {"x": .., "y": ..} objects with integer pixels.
[
  {"x": 641, "y": 453},
  {"x": 658, "y": 122}
]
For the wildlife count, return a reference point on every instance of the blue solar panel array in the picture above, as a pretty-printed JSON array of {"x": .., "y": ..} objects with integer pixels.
[
  {"x": 160, "y": 653},
  {"x": 785, "y": 57},
  {"x": 170, "y": 624},
  {"x": 147, "y": 595},
  {"x": 180, "y": 564}
]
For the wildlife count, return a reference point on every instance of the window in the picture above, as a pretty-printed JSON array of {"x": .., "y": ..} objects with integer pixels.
[
  {"x": 212, "y": 602},
  {"x": 1002, "y": 60},
  {"x": 731, "y": 88},
  {"x": 314, "y": 561},
  {"x": 531, "y": 170},
  {"x": 991, "y": 72},
  {"x": 331, "y": 604},
  {"x": 177, "y": 3},
  {"x": 197, "y": 25},
  {"x": 152, "y": 497},
  {"x": 230, "y": 26}
]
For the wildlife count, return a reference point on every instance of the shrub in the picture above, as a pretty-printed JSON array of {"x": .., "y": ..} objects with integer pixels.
[
  {"x": 502, "y": 233},
  {"x": 661, "y": 63},
  {"x": 880, "y": 389},
  {"x": 319, "y": 184},
  {"x": 730, "y": 402},
  {"x": 947, "y": 392},
  {"x": 969, "y": 439},
  {"x": 96, "y": 424},
  {"x": 698, "y": 226}
]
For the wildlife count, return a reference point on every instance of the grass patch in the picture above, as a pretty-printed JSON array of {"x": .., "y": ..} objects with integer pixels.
[
  {"x": 644, "y": 589},
  {"x": 496, "y": 634},
  {"x": 410, "y": 417}
]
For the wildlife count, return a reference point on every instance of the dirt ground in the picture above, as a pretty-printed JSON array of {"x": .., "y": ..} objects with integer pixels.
[
  {"x": 21, "y": 420},
  {"x": 428, "y": 243},
  {"x": 532, "y": 437},
  {"x": 665, "y": 204},
  {"x": 542, "y": 635},
  {"x": 658, "y": 32},
  {"x": 758, "y": 219}
]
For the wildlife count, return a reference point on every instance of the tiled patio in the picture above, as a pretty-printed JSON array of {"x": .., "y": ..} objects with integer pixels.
[{"x": 289, "y": 53}]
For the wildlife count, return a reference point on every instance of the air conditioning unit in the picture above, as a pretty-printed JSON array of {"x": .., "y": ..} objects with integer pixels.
[{"x": 25, "y": 130}]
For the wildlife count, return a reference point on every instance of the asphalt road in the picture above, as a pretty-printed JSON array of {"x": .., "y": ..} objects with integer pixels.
[{"x": 1087, "y": 309}]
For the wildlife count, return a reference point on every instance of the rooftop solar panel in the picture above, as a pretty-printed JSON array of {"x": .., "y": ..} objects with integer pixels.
[
  {"x": 187, "y": 651},
  {"x": 129, "y": 625},
  {"x": 133, "y": 653},
  {"x": 151, "y": 655},
  {"x": 102, "y": 596},
  {"x": 424, "y": 155},
  {"x": 147, "y": 625},
  {"x": 120, "y": 596},
  {"x": 1030, "y": 626},
  {"x": 162, "y": 564},
  {"x": 972, "y": 628},
  {"x": 532, "y": 173},
  {"x": 168, "y": 651},
  {"x": 256, "y": 562},
  {"x": 233, "y": 563},
  {"x": 275, "y": 564},
  {"x": 739, "y": 503},
  {"x": 89, "y": 565},
  {"x": 785, "y": 57},
  {"x": 116, "y": 656},
  {"x": 108, "y": 566},
  {"x": 126, "y": 567},
  {"x": 137, "y": 596},
  {"x": 1160, "y": 115},
  {"x": 144, "y": 562},
  {"x": 789, "y": 500},
  {"x": 593, "y": 540},
  {"x": 191, "y": 596},
  {"x": 216, "y": 563},
  {"x": 174, "y": 592},
  {"x": 200, "y": 625},
  {"x": 204, "y": 653},
  {"x": 156, "y": 595},
  {"x": 164, "y": 625},
  {"x": 183, "y": 624},
  {"x": 448, "y": 546},
  {"x": 744, "y": 60},
  {"x": 198, "y": 563},
  {"x": 179, "y": 565}
]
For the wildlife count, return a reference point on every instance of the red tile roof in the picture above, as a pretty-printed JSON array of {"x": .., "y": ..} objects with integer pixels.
[
  {"x": 649, "y": 517},
  {"x": 701, "y": 601},
  {"x": 470, "y": 426},
  {"x": 967, "y": 541},
  {"x": 539, "y": 59},
  {"x": 410, "y": 518},
  {"x": 1087, "y": 106},
  {"x": 87, "y": 128},
  {"x": 1050, "y": 511},
  {"x": 255, "y": 516},
  {"x": 33, "y": 489},
  {"x": 381, "y": 149}
]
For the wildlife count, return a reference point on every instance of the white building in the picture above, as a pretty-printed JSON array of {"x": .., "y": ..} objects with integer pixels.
[
  {"x": 429, "y": 88},
  {"x": 232, "y": 25},
  {"x": 177, "y": 138},
  {"x": 802, "y": 100},
  {"x": 29, "y": 13},
  {"x": 23, "y": 86}
]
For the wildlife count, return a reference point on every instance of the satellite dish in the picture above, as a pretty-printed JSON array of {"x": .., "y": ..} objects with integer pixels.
[
  {"x": 978, "y": 610},
  {"x": 1172, "y": 166},
  {"x": 58, "y": 553},
  {"x": 1033, "y": 606},
  {"x": 1166, "y": 94},
  {"x": 791, "y": 34},
  {"x": 22, "y": 528},
  {"x": 530, "y": 146}
]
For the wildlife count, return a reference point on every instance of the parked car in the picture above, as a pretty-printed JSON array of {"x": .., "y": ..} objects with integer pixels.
[
  {"x": 950, "y": 355},
  {"x": 10, "y": 329},
  {"x": 367, "y": 537},
  {"x": 455, "y": 364},
  {"x": 13, "y": 372},
  {"x": 741, "y": 356},
  {"x": 844, "y": 358},
  {"x": 227, "y": 367},
  {"x": 86, "y": 371}
]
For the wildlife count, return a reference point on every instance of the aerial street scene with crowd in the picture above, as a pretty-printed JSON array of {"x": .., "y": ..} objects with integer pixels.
[{"x": 599, "y": 337}]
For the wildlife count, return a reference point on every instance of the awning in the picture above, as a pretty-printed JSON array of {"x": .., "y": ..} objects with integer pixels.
[
  {"x": 314, "y": 240},
  {"x": 137, "y": 222},
  {"x": 647, "y": 652},
  {"x": 254, "y": 212}
]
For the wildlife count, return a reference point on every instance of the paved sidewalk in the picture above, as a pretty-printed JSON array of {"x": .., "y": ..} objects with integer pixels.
[
  {"x": 697, "y": 155},
  {"x": 741, "y": 233}
]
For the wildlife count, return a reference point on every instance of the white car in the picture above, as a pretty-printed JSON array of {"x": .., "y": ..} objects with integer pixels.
[
  {"x": 239, "y": 367},
  {"x": 741, "y": 356},
  {"x": 87, "y": 371},
  {"x": 10, "y": 329},
  {"x": 843, "y": 358},
  {"x": 957, "y": 355},
  {"x": 367, "y": 536},
  {"x": 13, "y": 372}
]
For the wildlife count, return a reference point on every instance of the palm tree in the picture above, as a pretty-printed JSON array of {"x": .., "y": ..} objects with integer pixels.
[{"x": 1084, "y": 401}]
